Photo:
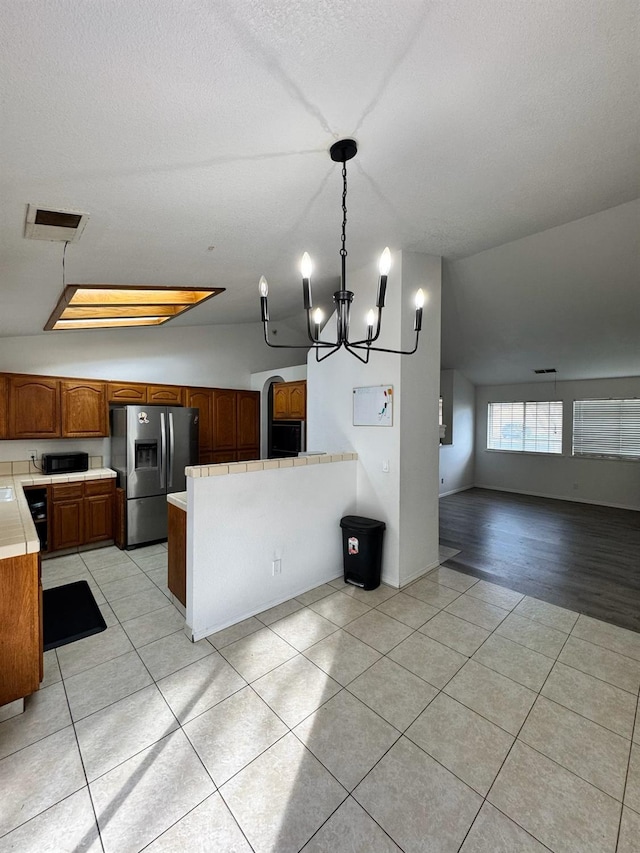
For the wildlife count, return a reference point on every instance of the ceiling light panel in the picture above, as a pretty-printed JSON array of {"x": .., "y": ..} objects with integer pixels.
[{"x": 95, "y": 306}]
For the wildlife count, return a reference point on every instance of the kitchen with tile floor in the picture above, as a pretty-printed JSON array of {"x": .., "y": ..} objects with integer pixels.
[{"x": 454, "y": 715}]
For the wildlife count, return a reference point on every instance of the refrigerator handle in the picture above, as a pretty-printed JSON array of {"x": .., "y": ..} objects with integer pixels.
[
  {"x": 163, "y": 451},
  {"x": 171, "y": 449}
]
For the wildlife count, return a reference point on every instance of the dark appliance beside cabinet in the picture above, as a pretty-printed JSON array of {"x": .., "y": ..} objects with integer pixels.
[
  {"x": 288, "y": 438},
  {"x": 64, "y": 463}
]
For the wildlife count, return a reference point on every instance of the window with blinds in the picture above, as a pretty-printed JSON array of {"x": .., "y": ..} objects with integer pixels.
[
  {"x": 606, "y": 428},
  {"x": 532, "y": 427}
]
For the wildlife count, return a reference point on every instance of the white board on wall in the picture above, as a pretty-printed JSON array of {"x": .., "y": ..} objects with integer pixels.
[{"x": 373, "y": 406}]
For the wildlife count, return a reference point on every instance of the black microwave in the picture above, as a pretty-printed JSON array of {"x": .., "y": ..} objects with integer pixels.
[{"x": 64, "y": 463}]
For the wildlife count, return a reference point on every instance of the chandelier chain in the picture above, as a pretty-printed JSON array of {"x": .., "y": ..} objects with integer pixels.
[{"x": 343, "y": 249}]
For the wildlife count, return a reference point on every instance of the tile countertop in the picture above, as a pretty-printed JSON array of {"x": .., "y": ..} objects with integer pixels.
[
  {"x": 17, "y": 531},
  {"x": 178, "y": 499}
]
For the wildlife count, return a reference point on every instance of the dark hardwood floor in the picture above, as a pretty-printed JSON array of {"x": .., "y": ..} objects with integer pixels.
[{"x": 579, "y": 556}]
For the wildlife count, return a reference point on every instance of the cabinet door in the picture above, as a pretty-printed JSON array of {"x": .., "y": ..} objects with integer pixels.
[
  {"x": 34, "y": 407},
  {"x": 224, "y": 419},
  {"x": 280, "y": 401},
  {"x": 248, "y": 425},
  {"x": 177, "y": 553},
  {"x": 4, "y": 406},
  {"x": 169, "y": 395},
  {"x": 20, "y": 613},
  {"x": 249, "y": 455},
  {"x": 67, "y": 524},
  {"x": 84, "y": 409},
  {"x": 98, "y": 518},
  {"x": 298, "y": 400},
  {"x": 123, "y": 392},
  {"x": 221, "y": 457},
  {"x": 201, "y": 399}
]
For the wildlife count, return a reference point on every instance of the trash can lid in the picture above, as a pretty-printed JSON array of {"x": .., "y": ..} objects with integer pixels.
[{"x": 358, "y": 522}]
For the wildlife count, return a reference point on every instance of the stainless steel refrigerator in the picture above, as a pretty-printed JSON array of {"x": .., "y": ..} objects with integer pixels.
[{"x": 150, "y": 448}]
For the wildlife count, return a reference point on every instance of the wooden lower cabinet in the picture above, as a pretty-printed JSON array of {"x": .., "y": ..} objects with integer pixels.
[
  {"x": 67, "y": 515},
  {"x": 98, "y": 510},
  {"x": 81, "y": 513},
  {"x": 20, "y": 627},
  {"x": 4, "y": 406},
  {"x": 67, "y": 518},
  {"x": 177, "y": 553}
]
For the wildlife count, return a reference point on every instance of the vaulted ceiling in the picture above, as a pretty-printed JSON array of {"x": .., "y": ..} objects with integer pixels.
[{"x": 503, "y": 136}]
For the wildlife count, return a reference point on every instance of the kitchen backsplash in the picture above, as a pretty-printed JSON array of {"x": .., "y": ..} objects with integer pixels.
[{"x": 23, "y": 467}]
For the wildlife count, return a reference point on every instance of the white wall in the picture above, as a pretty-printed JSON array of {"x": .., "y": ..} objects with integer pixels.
[
  {"x": 406, "y": 497},
  {"x": 223, "y": 356},
  {"x": 457, "y": 458},
  {"x": 600, "y": 481},
  {"x": 238, "y": 524}
]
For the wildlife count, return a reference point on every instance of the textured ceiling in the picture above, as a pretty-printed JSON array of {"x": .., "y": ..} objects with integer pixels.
[{"x": 184, "y": 124}]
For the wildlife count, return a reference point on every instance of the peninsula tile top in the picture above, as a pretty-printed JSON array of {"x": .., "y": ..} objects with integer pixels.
[
  {"x": 258, "y": 465},
  {"x": 17, "y": 531}
]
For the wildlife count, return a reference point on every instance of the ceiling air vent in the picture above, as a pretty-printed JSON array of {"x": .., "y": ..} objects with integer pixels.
[
  {"x": 545, "y": 370},
  {"x": 59, "y": 225}
]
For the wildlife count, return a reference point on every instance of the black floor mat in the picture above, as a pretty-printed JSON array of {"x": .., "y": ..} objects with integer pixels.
[{"x": 70, "y": 613}]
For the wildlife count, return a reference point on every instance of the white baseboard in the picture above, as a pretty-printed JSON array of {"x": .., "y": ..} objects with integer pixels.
[
  {"x": 420, "y": 573},
  {"x": 556, "y": 497},
  {"x": 194, "y": 636},
  {"x": 455, "y": 491}
]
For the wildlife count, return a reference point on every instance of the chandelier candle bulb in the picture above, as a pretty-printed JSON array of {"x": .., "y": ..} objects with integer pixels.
[
  {"x": 384, "y": 266},
  {"x": 419, "y": 302},
  {"x": 370, "y": 322},
  {"x": 317, "y": 319},
  {"x": 264, "y": 290},
  {"x": 305, "y": 269}
]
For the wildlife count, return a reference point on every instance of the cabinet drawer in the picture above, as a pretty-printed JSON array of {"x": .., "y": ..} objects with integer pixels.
[
  {"x": 66, "y": 491},
  {"x": 98, "y": 487}
]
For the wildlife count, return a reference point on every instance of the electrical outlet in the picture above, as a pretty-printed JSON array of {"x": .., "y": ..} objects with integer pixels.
[
  {"x": 32, "y": 454},
  {"x": 276, "y": 567}
]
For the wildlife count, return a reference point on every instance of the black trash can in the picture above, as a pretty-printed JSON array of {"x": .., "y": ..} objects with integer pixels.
[{"x": 362, "y": 550}]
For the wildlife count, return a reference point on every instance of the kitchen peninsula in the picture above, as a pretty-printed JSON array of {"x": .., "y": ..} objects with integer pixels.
[
  {"x": 20, "y": 583},
  {"x": 260, "y": 533}
]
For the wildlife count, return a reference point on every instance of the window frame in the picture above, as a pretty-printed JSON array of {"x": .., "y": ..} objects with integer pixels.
[
  {"x": 607, "y": 453},
  {"x": 522, "y": 424}
]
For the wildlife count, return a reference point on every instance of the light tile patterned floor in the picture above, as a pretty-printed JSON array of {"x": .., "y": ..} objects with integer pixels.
[{"x": 455, "y": 715}]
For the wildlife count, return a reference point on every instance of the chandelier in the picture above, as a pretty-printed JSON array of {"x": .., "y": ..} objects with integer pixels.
[{"x": 341, "y": 151}]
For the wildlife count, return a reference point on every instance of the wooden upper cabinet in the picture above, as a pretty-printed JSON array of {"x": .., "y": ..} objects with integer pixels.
[
  {"x": 34, "y": 407},
  {"x": 4, "y": 406},
  {"x": 169, "y": 395},
  {"x": 248, "y": 419},
  {"x": 84, "y": 409},
  {"x": 224, "y": 419},
  {"x": 290, "y": 401},
  {"x": 298, "y": 400},
  {"x": 201, "y": 398},
  {"x": 126, "y": 392},
  {"x": 280, "y": 401}
]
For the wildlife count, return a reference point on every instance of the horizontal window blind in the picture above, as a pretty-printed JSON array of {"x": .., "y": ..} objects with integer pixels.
[
  {"x": 534, "y": 427},
  {"x": 606, "y": 428}
]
